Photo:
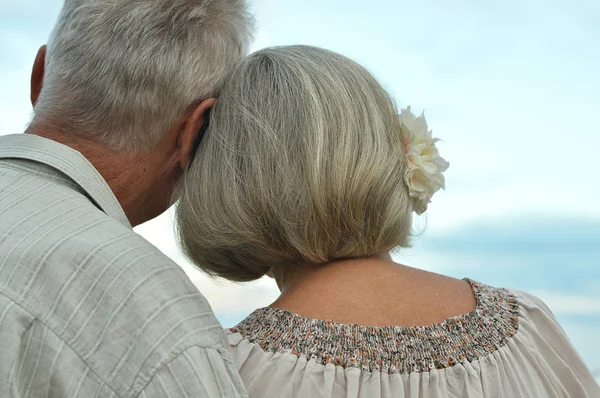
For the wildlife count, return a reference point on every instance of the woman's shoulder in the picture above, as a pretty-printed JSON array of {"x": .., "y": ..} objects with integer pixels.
[
  {"x": 510, "y": 334},
  {"x": 499, "y": 314},
  {"x": 388, "y": 349}
]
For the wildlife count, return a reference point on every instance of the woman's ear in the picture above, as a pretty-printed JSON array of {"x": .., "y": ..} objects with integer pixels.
[
  {"x": 37, "y": 75},
  {"x": 191, "y": 130}
]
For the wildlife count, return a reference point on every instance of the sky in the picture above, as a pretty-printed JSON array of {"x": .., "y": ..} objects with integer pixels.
[{"x": 512, "y": 89}]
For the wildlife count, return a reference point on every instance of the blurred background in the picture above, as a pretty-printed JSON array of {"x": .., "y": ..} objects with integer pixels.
[{"x": 512, "y": 88}]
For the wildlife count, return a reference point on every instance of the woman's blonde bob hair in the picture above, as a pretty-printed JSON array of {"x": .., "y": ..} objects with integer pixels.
[{"x": 302, "y": 163}]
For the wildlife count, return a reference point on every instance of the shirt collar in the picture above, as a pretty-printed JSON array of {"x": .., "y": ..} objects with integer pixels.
[{"x": 69, "y": 162}]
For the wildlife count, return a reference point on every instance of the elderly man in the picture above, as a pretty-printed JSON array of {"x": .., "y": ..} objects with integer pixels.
[{"x": 87, "y": 307}]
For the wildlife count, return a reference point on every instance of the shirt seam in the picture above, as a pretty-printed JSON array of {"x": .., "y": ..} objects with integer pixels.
[
  {"x": 28, "y": 328},
  {"x": 35, "y": 318}
]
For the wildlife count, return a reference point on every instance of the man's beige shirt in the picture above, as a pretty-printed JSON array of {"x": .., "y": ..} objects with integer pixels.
[{"x": 88, "y": 308}]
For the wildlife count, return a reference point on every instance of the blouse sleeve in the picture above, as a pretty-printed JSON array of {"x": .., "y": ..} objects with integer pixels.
[{"x": 553, "y": 338}]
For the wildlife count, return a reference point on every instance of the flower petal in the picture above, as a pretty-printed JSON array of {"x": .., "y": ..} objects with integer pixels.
[{"x": 423, "y": 175}]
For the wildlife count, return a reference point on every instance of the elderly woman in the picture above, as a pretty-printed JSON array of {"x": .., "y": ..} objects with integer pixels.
[{"x": 308, "y": 174}]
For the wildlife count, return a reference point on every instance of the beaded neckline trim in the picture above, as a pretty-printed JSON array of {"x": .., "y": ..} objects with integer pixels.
[{"x": 390, "y": 349}]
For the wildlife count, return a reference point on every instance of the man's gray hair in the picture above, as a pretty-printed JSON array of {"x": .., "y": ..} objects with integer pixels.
[
  {"x": 124, "y": 71},
  {"x": 303, "y": 162}
]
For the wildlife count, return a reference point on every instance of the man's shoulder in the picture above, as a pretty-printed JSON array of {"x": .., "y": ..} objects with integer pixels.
[
  {"x": 127, "y": 309},
  {"x": 24, "y": 339},
  {"x": 113, "y": 297}
]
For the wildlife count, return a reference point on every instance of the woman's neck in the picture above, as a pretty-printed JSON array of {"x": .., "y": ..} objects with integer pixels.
[
  {"x": 292, "y": 277},
  {"x": 373, "y": 291}
]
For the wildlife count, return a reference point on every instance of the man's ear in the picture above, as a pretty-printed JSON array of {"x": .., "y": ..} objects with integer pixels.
[
  {"x": 191, "y": 131},
  {"x": 37, "y": 75}
]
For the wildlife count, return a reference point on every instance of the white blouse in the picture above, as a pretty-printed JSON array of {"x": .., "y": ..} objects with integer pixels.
[{"x": 509, "y": 346}]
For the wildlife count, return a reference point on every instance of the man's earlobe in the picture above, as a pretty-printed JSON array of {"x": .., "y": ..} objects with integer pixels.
[
  {"x": 192, "y": 128},
  {"x": 37, "y": 74}
]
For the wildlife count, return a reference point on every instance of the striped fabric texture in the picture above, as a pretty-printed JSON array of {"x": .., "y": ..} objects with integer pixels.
[{"x": 88, "y": 308}]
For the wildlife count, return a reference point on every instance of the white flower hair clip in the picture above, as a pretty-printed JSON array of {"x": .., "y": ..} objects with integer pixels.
[{"x": 425, "y": 166}]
